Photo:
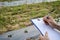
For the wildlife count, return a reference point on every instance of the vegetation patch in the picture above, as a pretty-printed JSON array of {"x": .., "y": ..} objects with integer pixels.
[{"x": 12, "y": 18}]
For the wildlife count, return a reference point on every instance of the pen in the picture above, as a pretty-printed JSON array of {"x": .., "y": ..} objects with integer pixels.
[{"x": 50, "y": 13}]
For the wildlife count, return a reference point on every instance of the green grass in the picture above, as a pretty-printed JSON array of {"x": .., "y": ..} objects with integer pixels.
[{"x": 21, "y": 15}]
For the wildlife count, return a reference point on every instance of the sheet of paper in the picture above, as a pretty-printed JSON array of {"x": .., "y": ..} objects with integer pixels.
[{"x": 41, "y": 26}]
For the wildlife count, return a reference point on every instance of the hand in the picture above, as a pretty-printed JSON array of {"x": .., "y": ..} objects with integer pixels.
[
  {"x": 44, "y": 37},
  {"x": 50, "y": 21}
]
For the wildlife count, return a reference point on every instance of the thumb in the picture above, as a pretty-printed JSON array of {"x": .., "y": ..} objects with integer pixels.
[
  {"x": 41, "y": 37},
  {"x": 46, "y": 34}
]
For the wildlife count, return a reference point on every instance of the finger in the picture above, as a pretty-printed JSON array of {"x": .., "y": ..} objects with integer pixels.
[
  {"x": 41, "y": 37},
  {"x": 46, "y": 35},
  {"x": 50, "y": 16},
  {"x": 45, "y": 20}
]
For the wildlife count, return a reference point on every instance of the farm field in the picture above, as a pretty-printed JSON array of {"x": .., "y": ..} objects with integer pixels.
[{"x": 17, "y": 17}]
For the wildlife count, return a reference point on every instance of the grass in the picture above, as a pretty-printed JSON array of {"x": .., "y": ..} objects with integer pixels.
[{"x": 16, "y": 17}]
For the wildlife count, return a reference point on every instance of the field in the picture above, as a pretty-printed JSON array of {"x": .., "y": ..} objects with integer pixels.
[{"x": 17, "y": 17}]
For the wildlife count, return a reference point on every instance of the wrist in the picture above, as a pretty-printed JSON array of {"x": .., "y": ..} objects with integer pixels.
[
  {"x": 57, "y": 26},
  {"x": 54, "y": 24}
]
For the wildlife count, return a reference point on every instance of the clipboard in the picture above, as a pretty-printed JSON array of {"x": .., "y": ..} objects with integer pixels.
[{"x": 43, "y": 28}]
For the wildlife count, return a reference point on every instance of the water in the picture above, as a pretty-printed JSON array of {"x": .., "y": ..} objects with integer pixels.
[{"x": 21, "y": 2}]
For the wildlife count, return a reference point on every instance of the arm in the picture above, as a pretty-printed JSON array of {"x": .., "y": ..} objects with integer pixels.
[
  {"x": 57, "y": 26},
  {"x": 51, "y": 22}
]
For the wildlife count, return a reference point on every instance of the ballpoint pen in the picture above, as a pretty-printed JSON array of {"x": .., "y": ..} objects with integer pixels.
[{"x": 50, "y": 13}]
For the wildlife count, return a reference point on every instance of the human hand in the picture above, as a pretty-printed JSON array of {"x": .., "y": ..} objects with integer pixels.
[
  {"x": 45, "y": 37},
  {"x": 50, "y": 21}
]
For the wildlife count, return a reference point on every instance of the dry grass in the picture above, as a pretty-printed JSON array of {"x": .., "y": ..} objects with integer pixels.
[{"x": 19, "y": 16}]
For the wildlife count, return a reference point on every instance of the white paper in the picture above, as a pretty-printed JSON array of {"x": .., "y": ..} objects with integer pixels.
[{"x": 39, "y": 23}]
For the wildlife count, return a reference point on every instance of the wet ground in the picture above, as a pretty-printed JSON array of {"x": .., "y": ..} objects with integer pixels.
[
  {"x": 20, "y": 2},
  {"x": 22, "y": 34}
]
